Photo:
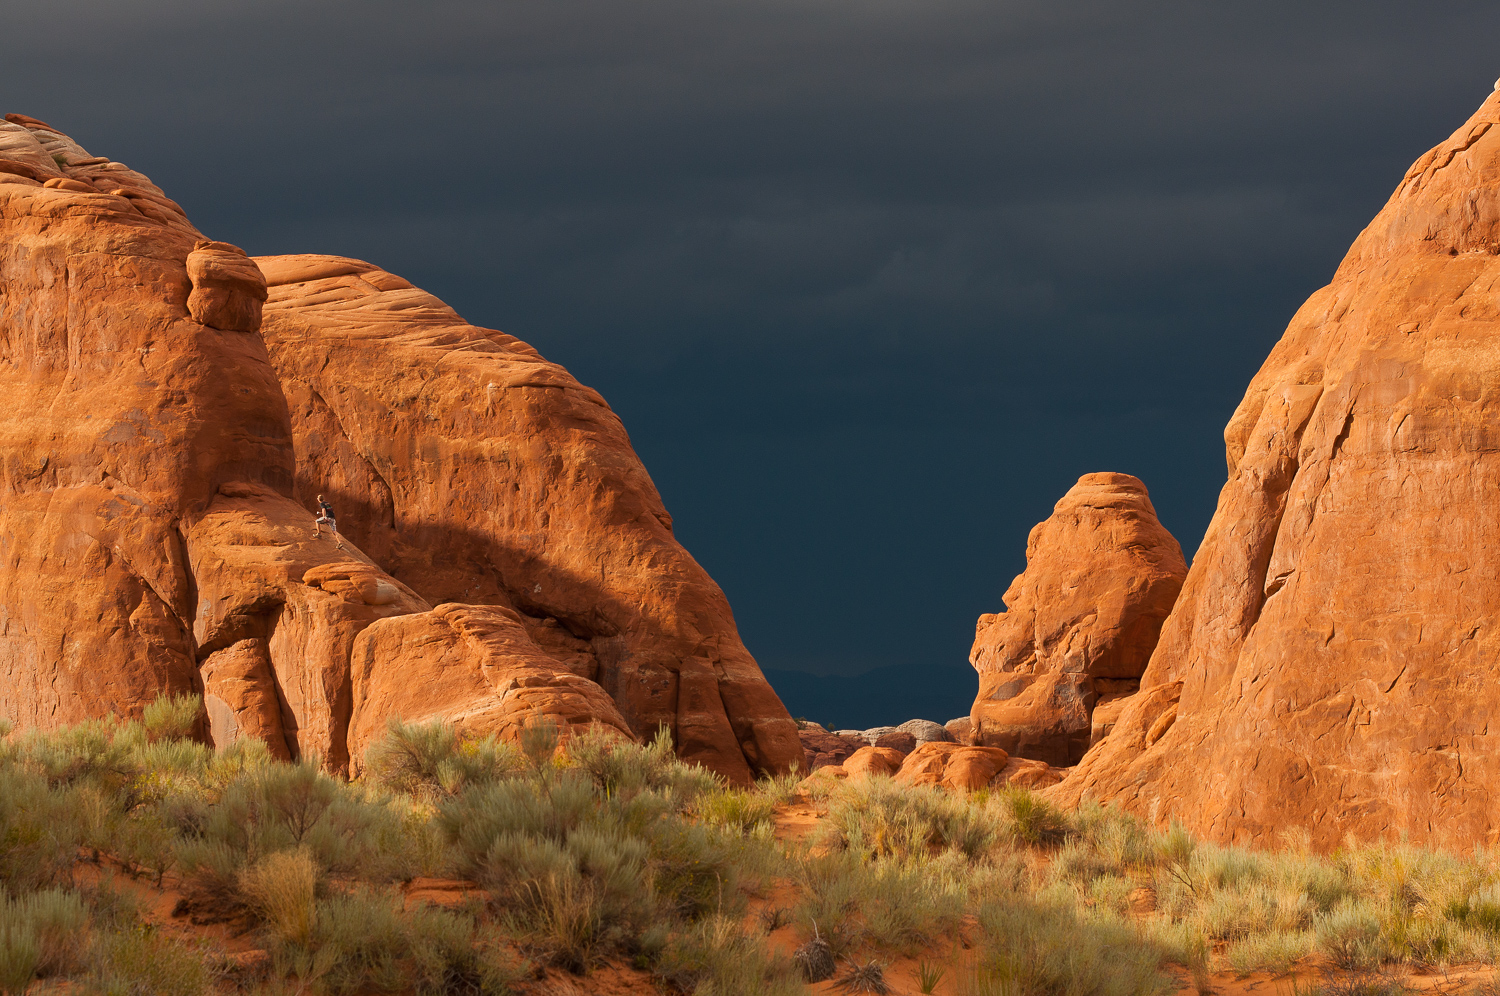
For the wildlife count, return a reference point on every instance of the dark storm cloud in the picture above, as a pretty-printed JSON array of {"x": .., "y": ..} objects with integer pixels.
[{"x": 870, "y": 282}]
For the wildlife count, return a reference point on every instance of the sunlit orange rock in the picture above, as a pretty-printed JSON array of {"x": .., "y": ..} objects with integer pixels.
[
  {"x": 502, "y": 550},
  {"x": 1331, "y": 660},
  {"x": 951, "y": 765},
  {"x": 868, "y": 761},
  {"x": 475, "y": 471},
  {"x": 1101, "y": 575}
]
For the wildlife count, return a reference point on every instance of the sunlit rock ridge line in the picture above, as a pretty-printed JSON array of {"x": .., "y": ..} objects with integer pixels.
[
  {"x": 1331, "y": 662},
  {"x": 175, "y": 407}
]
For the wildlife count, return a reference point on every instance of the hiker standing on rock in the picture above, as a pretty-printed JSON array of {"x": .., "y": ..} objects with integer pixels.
[{"x": 325, "y": 518}]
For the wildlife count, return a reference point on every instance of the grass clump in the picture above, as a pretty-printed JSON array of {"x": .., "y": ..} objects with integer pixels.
[
  {"x": 41, "y": 934},
  {"x": 433, "y": 761},
  {"x": 879, "y": 818},
  {"x": 1031, "y": 948},
  {"x": 715, "y": 957}
]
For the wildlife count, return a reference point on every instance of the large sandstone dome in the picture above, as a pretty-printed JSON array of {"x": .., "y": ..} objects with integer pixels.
[
  {"x": 1332, "y": 659},
  {"x": 175, "y": 407}
]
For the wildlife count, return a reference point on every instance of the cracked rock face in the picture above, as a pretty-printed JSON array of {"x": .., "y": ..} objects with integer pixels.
[
  {"x": 1331, "y": 660},
  {"x": 502, "y": 553},
  {"x": 1101, "y": 576}
]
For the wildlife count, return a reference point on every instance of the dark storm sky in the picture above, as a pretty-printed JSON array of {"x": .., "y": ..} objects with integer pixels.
[{"x": 870, "y": 282}]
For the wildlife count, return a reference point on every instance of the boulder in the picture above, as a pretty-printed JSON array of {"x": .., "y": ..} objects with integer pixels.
[
  {"x": 869, "y": 761},
  {"x": 228, "y": 288},
  {"x": 1330, "y": 663},
  {"x": 821, "y": 749},
  {"x": 239, "y": 695},
  {"x": 1023, "y": 772},
  {"x": 960, "y": 730},
  {"x": 951, "y": 765},
  {"x": 1106, "y": 713},
  {"x": 472, "y": 665},
  {"x": 972, "y": 768},
  {"x": 1101, "y": 576},
  {"x": 897, "y": 740},
  {"x": 925, "y": 730},
  {"x": 924, "y": 766}
]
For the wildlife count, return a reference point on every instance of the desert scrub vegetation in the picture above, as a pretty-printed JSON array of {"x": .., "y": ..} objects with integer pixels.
[{"x": 605, "y": 853}]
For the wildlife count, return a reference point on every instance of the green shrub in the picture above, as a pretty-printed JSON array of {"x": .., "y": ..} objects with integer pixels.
[
  {"x": 280, "y": 807},
  {"x": 98, "y": 751},
  {"x": 573, "y": 900},
  {"x": 539, "y": 739},
  {"x": 878, "y": 817},
  {"x": 173, "y": 718},
  {"x": 431, "y": 760},
  {"x": 144, "y": 961},
  {"x": 41, "y": 934},
  {"x": 696, "y": 870},
  {"x": 1039, "y": 949},
  {"x": 621, "y": 768},
  {"x": 361, "y": 942},
  {"x": 1274, "y": 952},
  {"x": 904, "y": 906},
  {"x": 40, "y": 831},
  {"x": 1479, "y": 910},
  {"x": 20, "y": 954},
  {"x": 715, "y": 957},
  {"x": 1033, "y": 820},
  {"x": 734, "y": 809},
  {"x": 449, "y": 956},
  {"x": 282, "y": 888},
  {"x": 1119, "y": 842},
  {"x": 1351, "y": 936}
]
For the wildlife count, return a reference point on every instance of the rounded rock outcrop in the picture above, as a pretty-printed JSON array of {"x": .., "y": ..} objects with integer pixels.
[{"x": 1102, "y": 574}]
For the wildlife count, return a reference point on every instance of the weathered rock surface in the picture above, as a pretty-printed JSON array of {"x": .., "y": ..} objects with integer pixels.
[
  {"x": 1331, "y": 660},
  {"x": 951, "y": 765},
  {"x": 961, "y": 730},
  {"x": 505, "y": 554},
  {"x": 1025, "y": 773},
  {"x": 472, "y": 665},
  {"x": 475, "y": 471},
  {"x": 925, "y": 730},
  {"x": 870, "y": 761},
  {"x": 1101, "y": 576},
  {"x": 822, "y": 749},
  {"x": 897, "y": 740},
  {"x": 228, "y": 288}
]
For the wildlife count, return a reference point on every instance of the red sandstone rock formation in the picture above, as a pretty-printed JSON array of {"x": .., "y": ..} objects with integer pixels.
[
  {"x": 475, "y": 471},
  {"x": 1101, "y": 576},
  {"x": 159, "y": 463},
  {"x": 871, "y": 761},
  {"x": 952, "y": 766},
  {"x": 1330, "y": 662}
]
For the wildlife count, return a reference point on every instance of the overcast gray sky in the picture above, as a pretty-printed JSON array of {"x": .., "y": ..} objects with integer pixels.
[{"x": 870, "y": 282}]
